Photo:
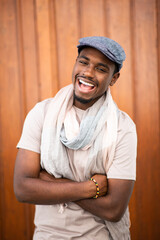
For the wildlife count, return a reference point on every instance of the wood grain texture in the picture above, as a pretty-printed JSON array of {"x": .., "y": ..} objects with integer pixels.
[
  {"x": 43, "y": 48},
  {"x": 67, "y": 37},
  {"x": 38, "y": 41},
  {"x": 158, "y": 46},
  {"x": 10, "y": 120},
  {"x": 120, "y": 12},
  {"x": 92, "y": 21},
  {"x": 28, "y": 52},
  {"x": 147, "y": 119}
]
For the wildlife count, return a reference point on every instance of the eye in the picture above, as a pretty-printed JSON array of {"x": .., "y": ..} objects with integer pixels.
[
  {"x": 83, "y": 62},
  {"x": 101, "y": 70}
]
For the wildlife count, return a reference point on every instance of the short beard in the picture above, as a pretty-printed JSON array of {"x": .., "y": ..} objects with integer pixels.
[{"x": 81, "y": 100}]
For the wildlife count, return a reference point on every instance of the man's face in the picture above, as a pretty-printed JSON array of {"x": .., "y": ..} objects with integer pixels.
[{"x": 92, "y": 74}]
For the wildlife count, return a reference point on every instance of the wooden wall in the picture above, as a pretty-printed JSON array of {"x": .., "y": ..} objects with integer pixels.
[{"x": 38, "y": 41}]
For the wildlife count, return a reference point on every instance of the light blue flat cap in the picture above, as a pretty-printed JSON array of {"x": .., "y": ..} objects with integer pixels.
[{"x": 107, "y": 46}]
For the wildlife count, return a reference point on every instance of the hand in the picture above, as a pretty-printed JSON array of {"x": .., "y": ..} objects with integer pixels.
[{"x": 102, "y": 183}]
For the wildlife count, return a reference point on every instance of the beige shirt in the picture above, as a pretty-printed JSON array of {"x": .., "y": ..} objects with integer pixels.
[{"x": 74, "y": 222}]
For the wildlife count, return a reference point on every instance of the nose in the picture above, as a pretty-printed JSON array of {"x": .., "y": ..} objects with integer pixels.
[{"x": 89, "y": 71}]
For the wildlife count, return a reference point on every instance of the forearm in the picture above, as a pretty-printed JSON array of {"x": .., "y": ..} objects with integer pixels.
[
  {"x": 101, "y": 207},
  {"x": 32, "y": 185},
  {"x": 113, "y": 205},
  {"x": 38, "y": 191}
]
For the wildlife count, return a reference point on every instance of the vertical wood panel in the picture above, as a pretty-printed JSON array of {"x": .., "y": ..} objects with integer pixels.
[
  {"x": 29, "y": 80},
  {"x": 53, "y": 42},
  {"x": 10, "y": 122},
  {"x": 119, "y": 28},
  {"x": 158, "y": 51},
  {"x": 44, "y": 48},
  {"x": 147, "y": 118},
  {"x": 92, "y": 20},
  {"x": 67, "y": 37}
]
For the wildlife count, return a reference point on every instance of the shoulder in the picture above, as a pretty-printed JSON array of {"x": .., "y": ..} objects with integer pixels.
[
  {"x": 124, "y": 163},
  {"x": 42, "y": 106},
  {"x": 126, "y": 135},
  {"x": 32, "y": 128},
  {"x": 125, "y": 123},
  {"x": 39, "y": 111}
]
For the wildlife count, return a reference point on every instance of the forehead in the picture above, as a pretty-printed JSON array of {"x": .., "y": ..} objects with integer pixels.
[{"x": 96, "y": 55}]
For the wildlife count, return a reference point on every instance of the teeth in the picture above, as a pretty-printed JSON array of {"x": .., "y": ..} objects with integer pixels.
[{"x": 85, "y": 83}]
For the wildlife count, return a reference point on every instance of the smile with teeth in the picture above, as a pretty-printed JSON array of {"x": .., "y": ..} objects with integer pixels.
[
  {"x": 86, "y": 86},
  {"x": 86, "y": 83}
]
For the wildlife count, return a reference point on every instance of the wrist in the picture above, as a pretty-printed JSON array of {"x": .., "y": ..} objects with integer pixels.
[
  {"x": 90, "y": 189},
  {"x": 97, "y": 187}
]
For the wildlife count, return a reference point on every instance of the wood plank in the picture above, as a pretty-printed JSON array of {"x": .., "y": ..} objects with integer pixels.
[
  {"x": 10, "y": 120},
  {"x": 119, "y": 28},
  {"x": 67, "y": 33},
  {"x": 28, "y": 52},
  {"x": 158, "y": 50},
  {"x": 53, "y": 43},
  {"x": 44, "y": 48},
  {"x": 92, "y": 21},
  {"x": 147, "y": 196}
]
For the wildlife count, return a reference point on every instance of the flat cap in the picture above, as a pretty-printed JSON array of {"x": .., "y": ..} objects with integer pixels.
[{"x": 107, "y": 46}]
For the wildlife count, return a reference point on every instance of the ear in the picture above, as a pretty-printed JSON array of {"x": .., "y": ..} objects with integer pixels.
[{"x": 115, "y": 78}]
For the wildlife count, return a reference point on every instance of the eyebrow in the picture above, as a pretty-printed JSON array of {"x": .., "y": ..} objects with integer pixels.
[
  {"x": 83, "y": 56},
  {"x": 99, "y": 64}
]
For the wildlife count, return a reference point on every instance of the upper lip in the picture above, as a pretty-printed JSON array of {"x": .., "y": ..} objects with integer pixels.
[{"x": 86, "y": 80}]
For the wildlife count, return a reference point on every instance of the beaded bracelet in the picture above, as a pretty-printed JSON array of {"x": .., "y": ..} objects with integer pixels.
[{"x": 97, "y": 188}]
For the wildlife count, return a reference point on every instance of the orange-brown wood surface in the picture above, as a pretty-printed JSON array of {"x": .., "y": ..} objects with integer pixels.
[{"x": 38, "y": 41}]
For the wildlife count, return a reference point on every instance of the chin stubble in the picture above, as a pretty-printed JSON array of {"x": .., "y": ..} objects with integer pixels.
[{"x": 81, "y": 100}]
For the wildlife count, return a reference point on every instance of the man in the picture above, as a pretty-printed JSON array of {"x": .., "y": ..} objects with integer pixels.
[{"x": 77, "y": 153}]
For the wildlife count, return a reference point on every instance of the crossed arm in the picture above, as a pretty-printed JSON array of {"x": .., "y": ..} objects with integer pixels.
[{"x": 33, "y": 186}]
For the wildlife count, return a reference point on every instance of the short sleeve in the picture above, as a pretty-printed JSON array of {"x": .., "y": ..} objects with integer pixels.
[
  {"x": 124, "y": 162},
  {"x": 32, "y": 128}
]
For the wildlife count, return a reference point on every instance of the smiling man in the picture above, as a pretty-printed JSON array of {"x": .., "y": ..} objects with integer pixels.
[
  {"x": 92, "y": 74},
  {"x": 77, "y": 153}
]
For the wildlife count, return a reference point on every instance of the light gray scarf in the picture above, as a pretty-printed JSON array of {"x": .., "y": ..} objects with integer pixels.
[{"x": 97, "y": 133}]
